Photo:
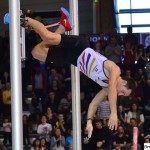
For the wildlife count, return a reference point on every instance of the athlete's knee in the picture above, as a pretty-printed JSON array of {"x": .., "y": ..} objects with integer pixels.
[
  {"x": 35, "y": 52},
  {"x": 39, "y": 52}
]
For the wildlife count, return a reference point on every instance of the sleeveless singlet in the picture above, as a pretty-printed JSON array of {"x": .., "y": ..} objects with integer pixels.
[{"x": 91, "y": 63}]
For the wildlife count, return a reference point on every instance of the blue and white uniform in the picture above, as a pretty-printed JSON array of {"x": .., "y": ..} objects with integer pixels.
[{"x": 91, "y": 63}]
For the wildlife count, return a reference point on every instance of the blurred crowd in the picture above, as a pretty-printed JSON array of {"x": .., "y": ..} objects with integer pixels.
[{"x": 47, "y": 97}]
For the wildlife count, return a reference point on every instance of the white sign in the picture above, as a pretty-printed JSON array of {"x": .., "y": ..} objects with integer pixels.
[{"x": 146, "y": 146}]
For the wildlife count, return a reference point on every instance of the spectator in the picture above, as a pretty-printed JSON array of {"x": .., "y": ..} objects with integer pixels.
[
  {"x": 98, "y": 48},
  {"x": 57, "y": 141},
  {"x": 122, "y": 116},
  {"x": 54, "y": 75},
  {"x": 44, "y": 145},
  {"x": 2, "y": 146},
  {"x": 44, "y": 129},
  {"x": 39, "y": 85},
  {"x": 128, "y": 73},
  {"x": 56, "y": 88},
  {"x": 7, "y": 131},
  {"x": 5, "y": 79},
  {"x": 139, "y": 76},
  {"x": 135, "y": 113},
  {"x": 7, "y": 99},
  {"x": 70, "y": 147},
  {"x": 140, "y": 56},
  {"x": 130, "y": 37},
  {"x": 86, "y": 145},
  {"x": 65, "y": 103},
  {"x": 118, "y": 35},
  {"x": 52, "y": 101},
  {"x": 113, "y": 51},
  {"x": 139, "y": 93},
  {"x": 120, "y": 140},
  {"x": 51, "y": 116},
  {"x": 127, "y": 101},
  {"x": 69, "y": 139},
  {"x": 35, "y": 109},
  {"x": 101, "y": 136},
  {"x": 26, "y": 130},
  {"x": 61, "y": 124},
  {"x": 103, "y": 110},
  {"x": 66, "y": 74},
  {"x": 88, "y": 40},
  {"x": 129, "y": 58},
  {"x": 36, "y": 144},
  {"x": 147, "y": 140},
  {"x": 103, "y": 42}
]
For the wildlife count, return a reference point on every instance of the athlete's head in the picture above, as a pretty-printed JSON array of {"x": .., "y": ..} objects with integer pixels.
[{"x": 126, "y": 86}]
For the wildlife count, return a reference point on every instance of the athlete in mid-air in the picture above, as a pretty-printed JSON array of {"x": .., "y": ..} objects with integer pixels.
[{"x": 59, "y": 48}]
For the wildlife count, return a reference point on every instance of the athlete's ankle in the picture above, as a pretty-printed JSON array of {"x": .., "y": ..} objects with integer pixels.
[{"x": 62, "y": 28}]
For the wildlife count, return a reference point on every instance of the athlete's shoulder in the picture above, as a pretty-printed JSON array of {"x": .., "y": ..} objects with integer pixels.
[{"x": 110, "y": 65}]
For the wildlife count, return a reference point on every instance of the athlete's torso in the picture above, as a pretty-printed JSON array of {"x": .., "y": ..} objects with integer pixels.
[{"x": 91, "y": 63}]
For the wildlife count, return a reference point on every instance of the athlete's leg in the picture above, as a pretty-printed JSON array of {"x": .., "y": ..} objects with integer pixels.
[
  {"x": 46, "y": 35},
  {"x": 40, "y": 51}
]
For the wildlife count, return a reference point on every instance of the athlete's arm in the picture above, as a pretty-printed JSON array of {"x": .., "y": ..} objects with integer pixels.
[
  {"x": 114, "y": 74},
  {"x": 93, "y": 108}
]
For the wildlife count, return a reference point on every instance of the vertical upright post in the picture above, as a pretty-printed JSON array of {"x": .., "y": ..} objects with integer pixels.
[
  {"x": 23, "y": 52},
  {"x": 76, "y": 110},
  {"x": 15, "y": 65}
]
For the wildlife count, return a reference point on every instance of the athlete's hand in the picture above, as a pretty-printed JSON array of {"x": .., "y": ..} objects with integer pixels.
[
  {"x": 113, "y": 121},
  {"x": 89, "y": 128}
]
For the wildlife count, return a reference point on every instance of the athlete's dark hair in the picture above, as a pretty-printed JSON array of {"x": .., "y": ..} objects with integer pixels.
[{"x": 130, "y": 84}]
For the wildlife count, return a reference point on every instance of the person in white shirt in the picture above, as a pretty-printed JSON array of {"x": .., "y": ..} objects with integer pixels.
[
  {"x": 44, "y": 129},
  {"x": 103, "y": 110},
  {"x": 135, "y": 113}
]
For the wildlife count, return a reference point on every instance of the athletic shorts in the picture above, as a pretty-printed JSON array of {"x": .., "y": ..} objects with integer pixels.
[{"x": 67, "y": 51}]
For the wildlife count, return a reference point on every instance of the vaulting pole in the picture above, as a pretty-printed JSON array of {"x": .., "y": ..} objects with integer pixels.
[
  {"x": 15, "y": 68},
  {"x": 76, "y": 110}
]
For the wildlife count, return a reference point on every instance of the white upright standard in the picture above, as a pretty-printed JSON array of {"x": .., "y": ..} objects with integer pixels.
[
  {"x": 76, "y": 110},
  {"x": 15, "y": 68}
]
